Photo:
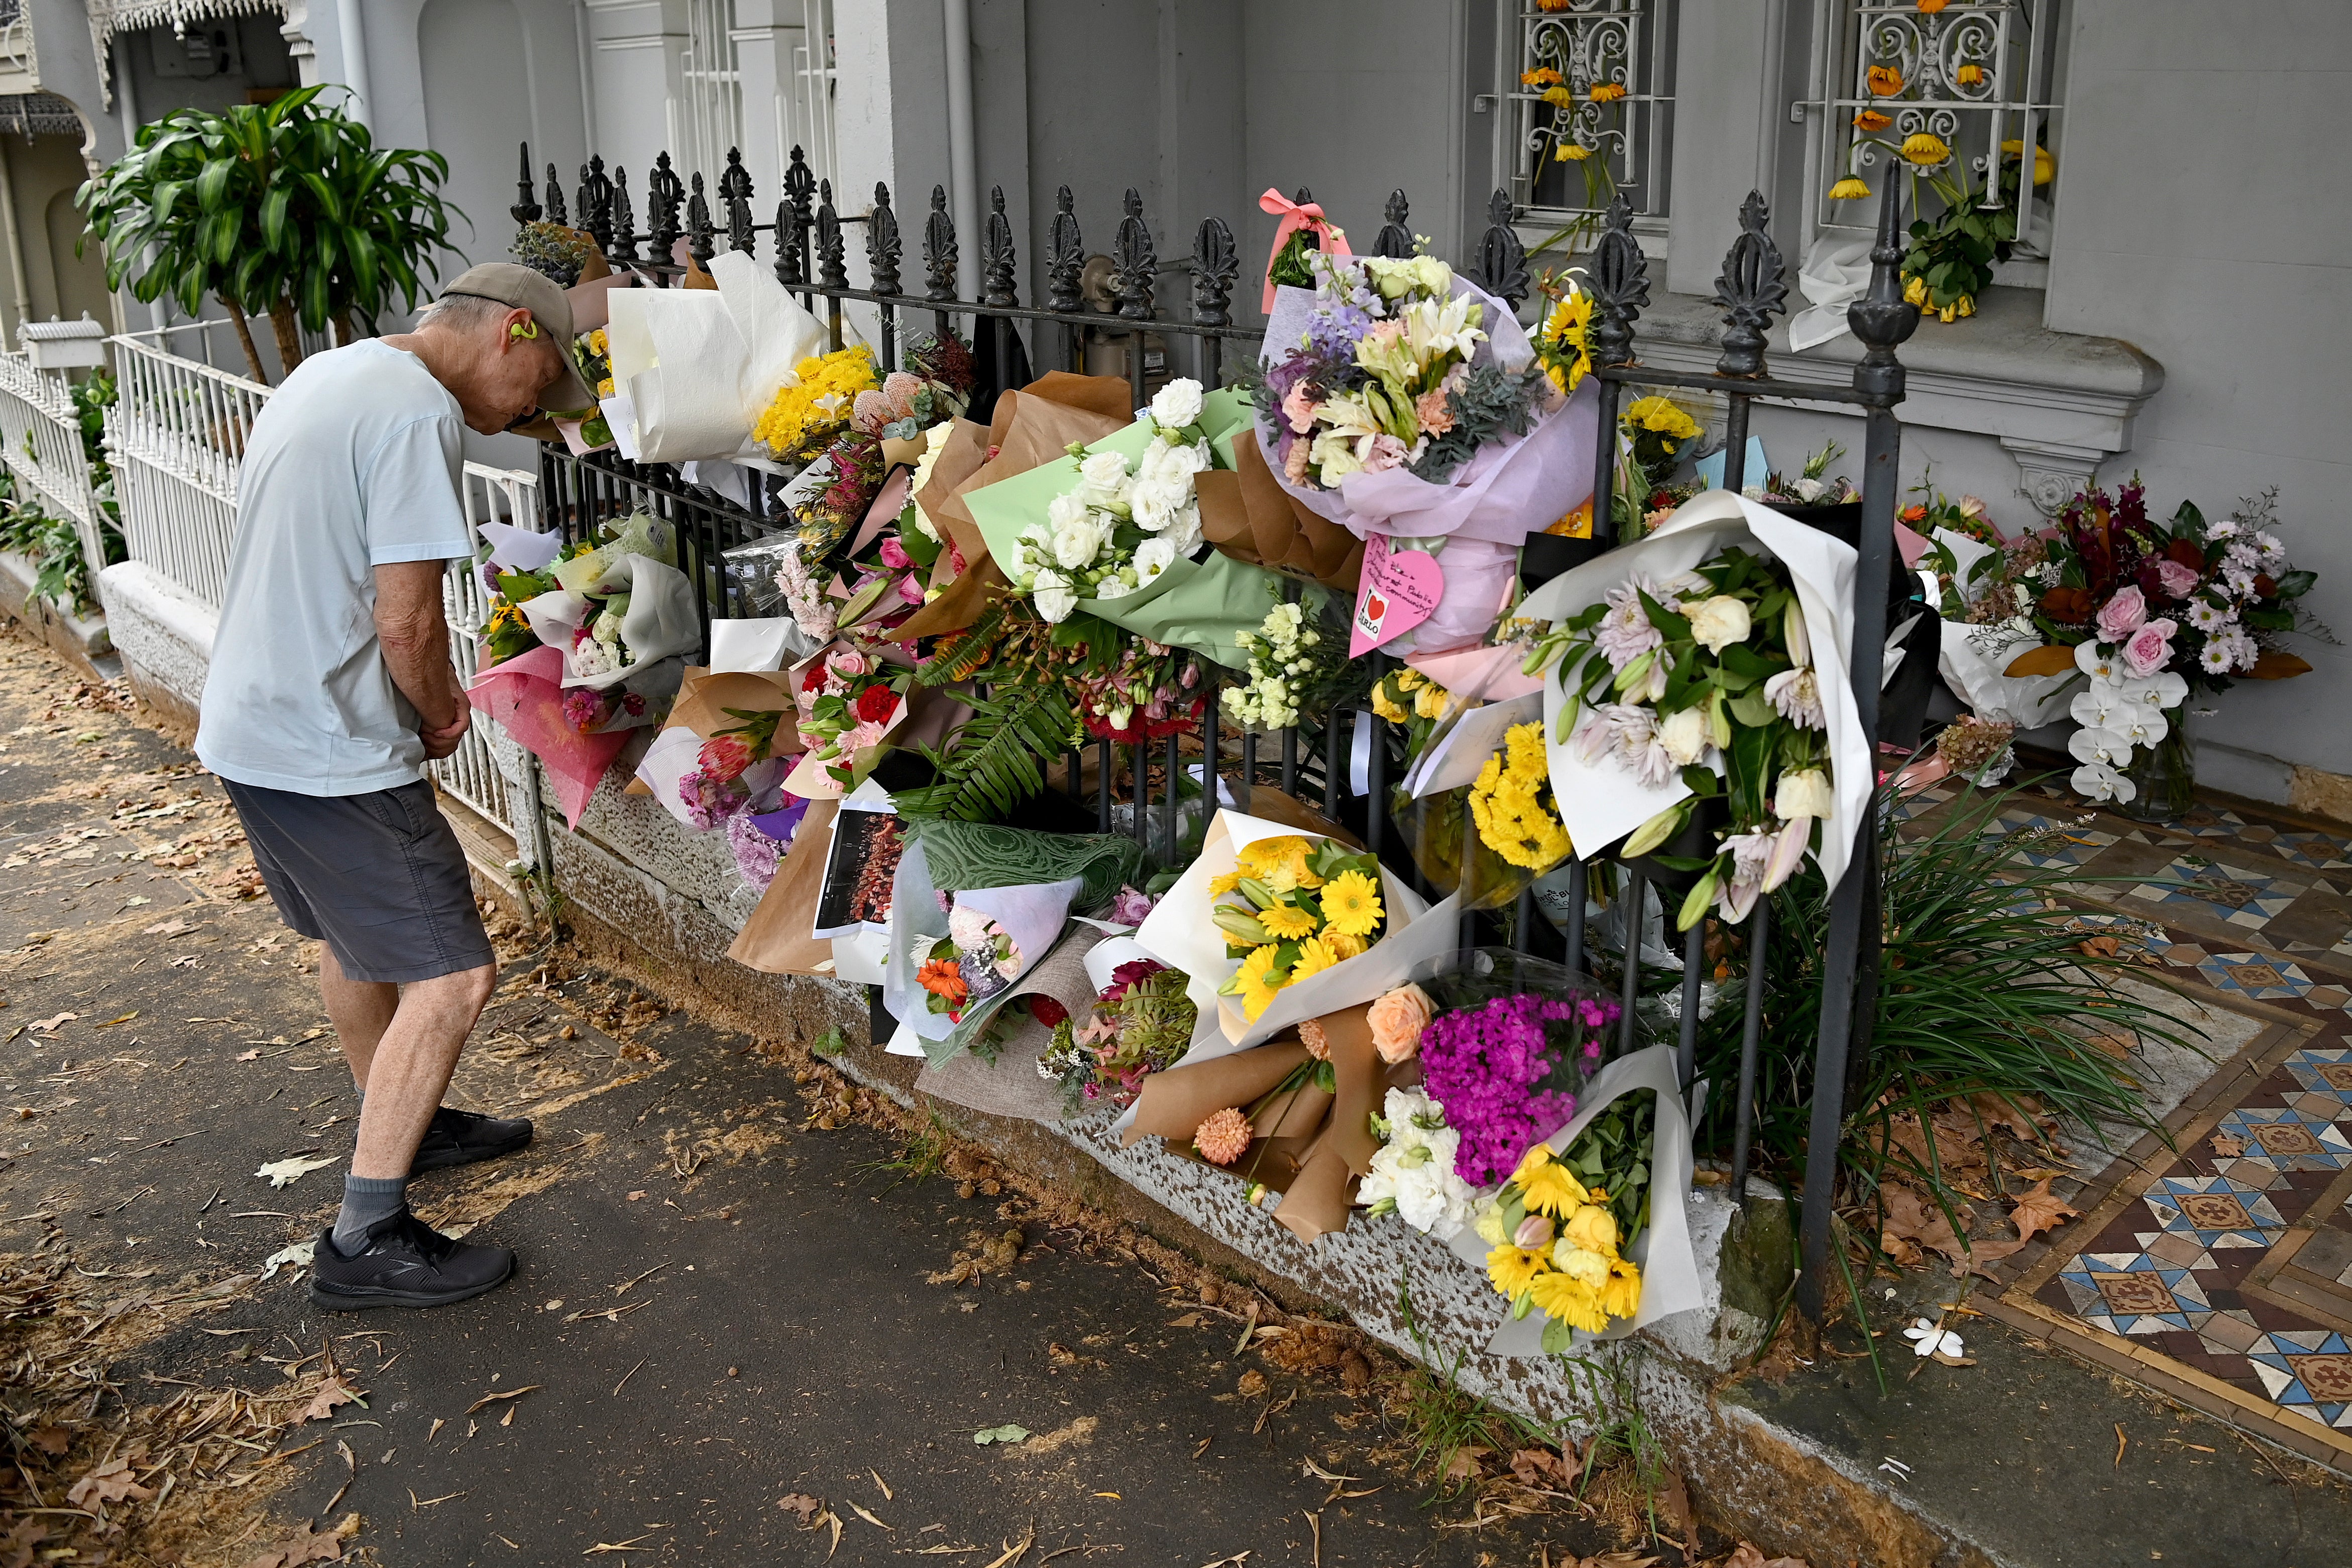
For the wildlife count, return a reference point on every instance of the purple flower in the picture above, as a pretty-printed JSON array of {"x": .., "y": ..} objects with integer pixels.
[
  {"x": 1488, "y": 1064},
  {"x": 1130, "y": 907}
]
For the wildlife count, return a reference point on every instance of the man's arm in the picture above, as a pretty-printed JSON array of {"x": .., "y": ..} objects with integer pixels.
[{"x": 416, "y": 640}]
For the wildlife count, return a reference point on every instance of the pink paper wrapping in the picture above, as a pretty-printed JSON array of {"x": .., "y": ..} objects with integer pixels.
[{"x": 524, "y": 697}]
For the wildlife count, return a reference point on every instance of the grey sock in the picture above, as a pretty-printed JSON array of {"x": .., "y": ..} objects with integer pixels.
[{"x": 367, "y": 1201}]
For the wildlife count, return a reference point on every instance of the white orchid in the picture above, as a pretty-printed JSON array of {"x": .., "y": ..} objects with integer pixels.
[
  {"x": 2097, "y": 781},
  {"x": 2099, "y": 745},
  {"x": 2098, "y": 666}
]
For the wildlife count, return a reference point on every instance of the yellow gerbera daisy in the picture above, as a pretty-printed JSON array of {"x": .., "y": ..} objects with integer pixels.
[
  {"x": 1607, "y": 91},
  {"x": 1546, "y": 1185},
  {"x": 1621, "y": 1297},
  {"x": 1513, "y": 1268},
  {"x": 1315, "y": 956},
  {"x": 1280, "y": 863},
  {"x": 1257, "y": 983},
  {"x": 1230, "y": 882},
  {"x": 1571, "y": 151},
  {"x": 1353, "y": 904},
  {"x": 1924, "y": 149},
  {"x": 1286, "y": 921},
  {"x": 1571, "y": 1302}
]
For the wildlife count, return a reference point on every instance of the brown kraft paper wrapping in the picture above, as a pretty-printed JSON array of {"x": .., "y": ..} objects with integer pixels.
[
  {"x": 703, "y": 699},
  {"x": 1325, "y": 1188},
  {"x": 1032, "y": 426},
  {"x": 1249, "y": 516},
  {"x": 1174, "y": 1103},
  {"x": 776, "y": 939}
]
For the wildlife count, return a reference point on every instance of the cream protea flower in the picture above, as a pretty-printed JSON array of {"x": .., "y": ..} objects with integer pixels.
[{"x": 1223, "y": 1138}]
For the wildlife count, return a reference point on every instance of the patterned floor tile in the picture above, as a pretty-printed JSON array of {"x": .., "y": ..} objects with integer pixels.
[
  {"x": 2252, "y": 975},
  {"x": 2323, "y": 1071},
  {"x": 2308, "y": 1374},
  {"x": 2287, "y": 1139},
  {"x": 2214, "y": 1212},
  {"x": 2238, "y": 895},
  {"x": 2133, "y": 1293},
  {"x": 2320, "y": 851}
]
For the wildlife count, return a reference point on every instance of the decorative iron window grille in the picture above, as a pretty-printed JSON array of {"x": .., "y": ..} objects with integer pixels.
[
  {"x": 1984, "y": 78},
  {"x": 706, "y": 117},
  {"x": 31, "y": 114},
  {"x": 1589, "y": 106}
]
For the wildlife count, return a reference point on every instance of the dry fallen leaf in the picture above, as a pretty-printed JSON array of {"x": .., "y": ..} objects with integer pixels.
[
  {"x": 287, "y": 1172},
  {"x": 2099, "y": 946},
  {"x": 802, "y": 1507},
  {"x": 51, "y": 1440},
  {"x": 308, "y": 1545},
  {"x": 250, "y": 1055},
  {"x": 2228, "y": 1145},
  {"x": 1747, "y": 1556},
  {"x": 332, "y": 1392},
  {"x": 173, "y": 927},
  {"x": 49, "y": 1025},
  {"x": 509, "y": 1394},
  {"x": 2037, "y": 1210},
  {"x": 109, "y": 1482}
]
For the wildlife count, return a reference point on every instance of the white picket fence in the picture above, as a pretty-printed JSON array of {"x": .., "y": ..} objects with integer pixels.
[
  {"x": 40, "y": 439},
  {"x": 175, "y": 437}
]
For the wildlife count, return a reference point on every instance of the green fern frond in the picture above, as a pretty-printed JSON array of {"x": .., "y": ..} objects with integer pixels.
[
  {"x": 958, "y": 654},
  {"x": 995, "y": 760}
]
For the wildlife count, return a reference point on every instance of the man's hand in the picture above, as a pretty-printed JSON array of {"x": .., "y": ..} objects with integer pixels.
[{"x": 441, "y": 742}]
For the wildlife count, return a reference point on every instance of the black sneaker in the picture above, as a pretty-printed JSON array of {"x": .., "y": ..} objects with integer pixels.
[
  {"x": 464, "y": 1137},
  {"x": 403, "y": 1262}
]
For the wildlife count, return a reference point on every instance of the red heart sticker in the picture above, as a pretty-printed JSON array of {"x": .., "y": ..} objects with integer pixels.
[{"x": 1400, "y": 590}]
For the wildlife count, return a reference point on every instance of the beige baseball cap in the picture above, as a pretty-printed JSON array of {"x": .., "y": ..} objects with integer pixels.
[{"x": 520, "y": 288}]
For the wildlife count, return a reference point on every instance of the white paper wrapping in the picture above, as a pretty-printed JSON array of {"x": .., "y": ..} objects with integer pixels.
[
  {"x": 1179, "y": 933},
  {"x": 1602, "y": 803},
  {"x": 1032, "y": 914},
  {"x": 1976, "y": 678},
  {"x": 698, "y": 366},
  {"x": 1455, "y": 757},
  {"x": 1670, "y": 1281},
  {"x": 658, "y": 624},
  {"x": 758, "y": 645}
]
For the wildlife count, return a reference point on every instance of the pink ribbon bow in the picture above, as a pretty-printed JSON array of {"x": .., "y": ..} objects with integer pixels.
[{"x": 1296, "y": 216}]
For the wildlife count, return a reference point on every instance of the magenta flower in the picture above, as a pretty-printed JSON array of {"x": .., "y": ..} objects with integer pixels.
[
  {"x": 1488, "y": 1065},
  {"x": 893, "y": 555}
]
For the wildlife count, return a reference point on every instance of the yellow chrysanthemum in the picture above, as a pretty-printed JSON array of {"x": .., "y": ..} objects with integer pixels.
[
  {"x": 1621, "y": 1297},
  {"x": 1314, "y": 957},
  {"x": 1546, "y": 1185},
  {"x": 808, "y": 414},
  {"x": 1287, "y": 922},
  {"x": 1607, "y": 91},
  {"x": 1660, "y": 415},
  {"x": 1353, "y": 904},
  {"x": 1570, "y": 1301},
  {"x": 1230, "y": 882},
  {"x": 1850, "y": 189},
  {"x": 1345, "y": 945},
  {"x": 1924, "y": 149},
  {"x": 1513, "y": 1268},
  {"x": 1258, "y": 983}
]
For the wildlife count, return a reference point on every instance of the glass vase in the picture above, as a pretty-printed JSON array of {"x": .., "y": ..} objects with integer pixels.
[{"x": 2163, "y": 776}]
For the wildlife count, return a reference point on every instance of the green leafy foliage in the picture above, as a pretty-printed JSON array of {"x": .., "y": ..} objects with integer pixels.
[
  {"x": 996, "y": 759},
  {"x": 1983, "y": 990},
  {"x": 284, "y": 208}
]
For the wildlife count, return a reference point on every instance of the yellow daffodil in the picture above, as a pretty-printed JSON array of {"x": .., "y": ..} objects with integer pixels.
[
  {"x": 1850, "y": 189},
  {"x": 1287, "y": 922},
  {"x": 1258, "y": 983},
  {"x": 1513, "y": 1268},
  {"x": 1548, "y": 1186},
  {"x": 1884, "y": 81},
  {"x": 1571, "y": 152},
  {"x": 1872, "y": 120},
  {"x": 1345, "y": 945},
  {"x": 2044, "y": 166},
  {"x": 1570, "y": 1301},
  {"x": 1607, "y": 91},
  {"x": 1353, "y": 904},
  {"x": 1314, "y": 957},
  {"x": 1621, "y": 1297},
  {"x": 1924, "y": 149}
]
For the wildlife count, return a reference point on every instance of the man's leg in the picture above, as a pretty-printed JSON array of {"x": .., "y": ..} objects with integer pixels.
[
  {"x": 408, "y": 1069},
  {"x": 361, "y": 1010}
]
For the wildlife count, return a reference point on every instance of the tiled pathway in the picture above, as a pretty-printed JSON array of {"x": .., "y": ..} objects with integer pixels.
[{"x": 2218, "y": 1268}]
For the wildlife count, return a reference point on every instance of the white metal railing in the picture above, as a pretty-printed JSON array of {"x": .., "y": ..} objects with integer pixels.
[
  {"x": 488, "y": 771},
  {"x": 40, "y": 439},
  {"x": 175, "y": 436}
]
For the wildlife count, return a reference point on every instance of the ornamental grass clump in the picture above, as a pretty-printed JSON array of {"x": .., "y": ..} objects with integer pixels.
[{"x": 1992, "y": 1004}]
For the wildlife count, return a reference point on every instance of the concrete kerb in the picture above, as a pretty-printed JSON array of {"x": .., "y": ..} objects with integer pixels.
[{"x": 81, "y": 639}]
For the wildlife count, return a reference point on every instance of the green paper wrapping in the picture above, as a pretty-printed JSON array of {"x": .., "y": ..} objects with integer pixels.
[{"x": 970, "y": 855}]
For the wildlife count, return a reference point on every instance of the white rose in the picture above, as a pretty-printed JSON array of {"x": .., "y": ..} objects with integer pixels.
[
  {"x": 1684, "y": 736},
  {"x": 1804, "y": 794},
  {"x": 1103, "y": 470},
  {"x": 1157, "y": 501},
  {"x": 1809, "y": 490},
  {"x": 1153, "y": 557},
  {"x": 1178, "y": 405},
  {"x": 1051, "y": 593},
  {"x": 1719, "y": 622},
  {"x": 1078, "y": 540}
]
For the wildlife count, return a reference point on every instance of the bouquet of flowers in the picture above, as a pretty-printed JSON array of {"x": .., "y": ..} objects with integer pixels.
[
  {"x": 931, "y": 391},
  {"x": 1120, "y": 529},
  {"x": 846, "y": 706},
  {"x": 1142, "y": 1022},
  {"x": 1511, "y": 803},
  {"x": 716, "y": 788},
  {"x": 1810, "y": 488},
  {"x": 1297, "y": 663},
  {"x": 1560, "y": 346},
  {"x": 1406, "y": 696},
  {"x": 2149, "y": 612},
  {"x": 975, "y": 961},
  {"x": 1151, "y": 691},
  {"x": 1558, "y": 1228},
  {"x": 1707, "y": 677},
  {"x": 1388, "y": 376},
  {"x": 812, "y": 408},
  {"x": 1505, "y": 1068},
  {"x": 1302, "y": 907},
  {"x": 1659, "y": 431}
]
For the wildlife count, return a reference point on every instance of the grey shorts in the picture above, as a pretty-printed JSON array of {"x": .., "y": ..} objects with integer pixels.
[{"x": 379, "y": 877}]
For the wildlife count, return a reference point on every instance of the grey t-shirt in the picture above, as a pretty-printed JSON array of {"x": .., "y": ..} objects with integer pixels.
[{"x": 354, "y": 464}]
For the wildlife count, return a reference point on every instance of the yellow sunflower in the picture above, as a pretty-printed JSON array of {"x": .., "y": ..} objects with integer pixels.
[
  {"x": 1353, "y": 904},
  {"x": 1513, "y": 1268},
  {"x": 1285, "y": 922},
  {"x": 1924, "y": 149}
]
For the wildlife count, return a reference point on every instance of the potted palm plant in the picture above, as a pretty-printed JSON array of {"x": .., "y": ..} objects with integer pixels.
[{"x": 284, "y": 209}]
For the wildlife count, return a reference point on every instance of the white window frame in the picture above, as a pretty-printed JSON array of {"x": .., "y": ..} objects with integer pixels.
[
  {"x": 706, "y": 117},
  {"x": 1629, "y": 43}
]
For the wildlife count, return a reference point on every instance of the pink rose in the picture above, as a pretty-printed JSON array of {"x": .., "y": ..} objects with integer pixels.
[
  {"x": 847, "y": 662},
  {"x": 893, "y": 555},
  {"x": 910, "y": 590},
  {"x": 1388, "y": 452},
  {"x": 2122, "y": 616},
  {"x": 2149, "y": 650},
  {"x": 1397, "y": 1020},
  {"x": 2175, "y": 579}
]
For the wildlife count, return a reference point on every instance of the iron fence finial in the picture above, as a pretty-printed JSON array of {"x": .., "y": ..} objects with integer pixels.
[
  {"x": 940, "y": 254},
  {"x": 1753, "y": 289},
  {"x": 1133, "y": 260},
  {"x": 1395, "y": 241},
  {"x": 526, "y": 205},
  {"x": 882, "y": 243},
  {"x": 998, "y": 284},
  {"x": 1065, "y": 257},
  {"x": 1216, "y": 261}
]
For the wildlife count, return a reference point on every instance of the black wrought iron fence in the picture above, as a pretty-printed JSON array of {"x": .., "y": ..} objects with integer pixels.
[{"x": 1121, "y": 308}]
